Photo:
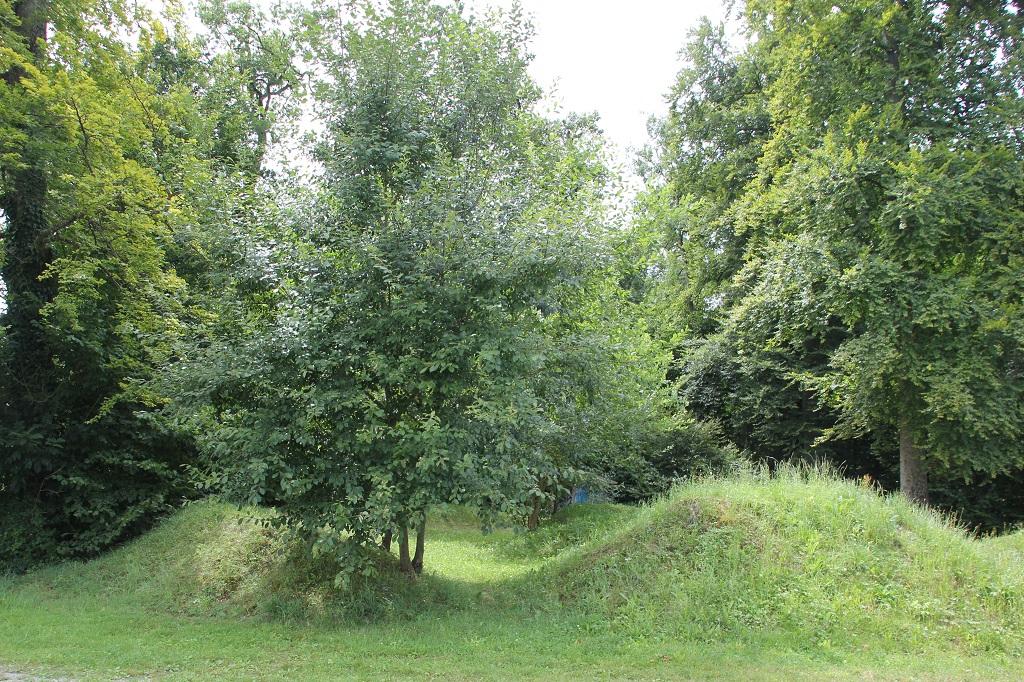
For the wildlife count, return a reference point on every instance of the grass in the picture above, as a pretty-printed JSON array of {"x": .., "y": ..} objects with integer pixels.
[{"x": 797, "y": 576}]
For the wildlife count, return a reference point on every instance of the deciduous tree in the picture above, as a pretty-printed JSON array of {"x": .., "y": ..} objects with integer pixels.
[
  {"x": 90, "y": 301},
  {"x": 412, "y": 342},
  {"x": 883, "y": 220}
]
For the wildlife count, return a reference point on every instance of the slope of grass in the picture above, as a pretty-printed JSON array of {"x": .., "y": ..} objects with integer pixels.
[
  {"x": 815, "y": 561},
  {"x": 797, "y": 576}
]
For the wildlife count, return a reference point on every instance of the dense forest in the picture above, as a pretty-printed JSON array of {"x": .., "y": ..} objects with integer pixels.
[{"x": 337, "y": 260}]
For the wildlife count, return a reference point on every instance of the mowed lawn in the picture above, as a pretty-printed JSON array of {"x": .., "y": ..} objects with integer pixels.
[{"x": 756, "y": 579}]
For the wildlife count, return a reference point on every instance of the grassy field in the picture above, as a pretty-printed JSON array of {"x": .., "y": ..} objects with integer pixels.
[{"x": 799, "y": 576}]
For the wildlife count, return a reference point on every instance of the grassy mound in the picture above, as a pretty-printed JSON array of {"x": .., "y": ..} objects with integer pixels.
[
  {"x": 797, "y": 574},
  {"x": 804, "y": 558},
  {"x": 212, "y": 559}
]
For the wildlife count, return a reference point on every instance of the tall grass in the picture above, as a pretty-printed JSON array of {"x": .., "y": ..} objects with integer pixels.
[{"x": 804, "y": 556}]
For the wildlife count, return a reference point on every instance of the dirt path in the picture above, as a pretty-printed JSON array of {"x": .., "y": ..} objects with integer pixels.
[
  {"x": 8, "y": 675},
  {"x": 12, "y": 676}
]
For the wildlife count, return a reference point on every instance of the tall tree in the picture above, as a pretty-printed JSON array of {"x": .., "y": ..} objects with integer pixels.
[
  {"x": 90, "y": 301},
  {"x": 884, "y": 222},
  {"x": 400, "y": 366},
  {"x": 254, "y": 84},
  {"x": 706, "y": 153}
]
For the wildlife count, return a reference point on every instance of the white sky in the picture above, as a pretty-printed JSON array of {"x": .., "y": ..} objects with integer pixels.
[{"x": 616, "y": 58}]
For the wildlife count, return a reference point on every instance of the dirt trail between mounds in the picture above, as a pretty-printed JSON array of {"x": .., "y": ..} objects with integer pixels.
[
  {"x": 11, "y": 676},
  {"x": 7, "y": 675}
]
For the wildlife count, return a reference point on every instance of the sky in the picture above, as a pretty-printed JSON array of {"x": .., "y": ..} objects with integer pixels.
[{"x": 618, "y": 58}]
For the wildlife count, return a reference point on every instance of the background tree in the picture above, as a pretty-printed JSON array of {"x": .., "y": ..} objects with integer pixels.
[
  {"x": 690, "y": 246},
  {"x": 254, "y": 85},
  {"x": 881, "y": 229},
  {"x": 91, "y": 305}
]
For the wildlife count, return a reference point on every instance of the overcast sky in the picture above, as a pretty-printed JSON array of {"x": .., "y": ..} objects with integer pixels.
[{"x": 616, "y": 58}]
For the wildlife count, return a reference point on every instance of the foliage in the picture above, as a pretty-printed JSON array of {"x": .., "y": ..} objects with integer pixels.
[
  {"x": 704, "y": 154},
  {"x": 254, "y": 85},
  {"x": 869, "y": 212},
  {"x": 91, "y": 304}
]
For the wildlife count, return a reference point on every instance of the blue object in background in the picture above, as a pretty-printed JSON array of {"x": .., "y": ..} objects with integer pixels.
[{"x": 575, "y": 496}]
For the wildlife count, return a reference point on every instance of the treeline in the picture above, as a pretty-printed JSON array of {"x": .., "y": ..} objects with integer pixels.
[
  {"x": 333, "y": 260},
  {"x": 840, "y": 205}
]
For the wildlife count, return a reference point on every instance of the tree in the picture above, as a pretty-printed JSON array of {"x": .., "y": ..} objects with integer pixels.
[
  {"x": 85, "y": 460},
  {"x": 399, "y": 363},
  {"x": 884, "y": 223},
  {"x": 706, "y": 152},
  {"x": 256, "y": 84}
]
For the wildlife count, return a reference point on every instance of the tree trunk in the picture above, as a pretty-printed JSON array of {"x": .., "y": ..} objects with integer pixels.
[
  {"x": 913, "y": 468},
  {"x": 421, "y": 539},
  {"x": 404, "y": 563},
  {"x": 24, "y": 203},
  {"x": 34, "y": 15},
  {"x": 538, "y": 504},
  {"x": 534, "y": 520},
  {"x": 27, "y": 368},
  {"x": 385, "y": 541}
]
